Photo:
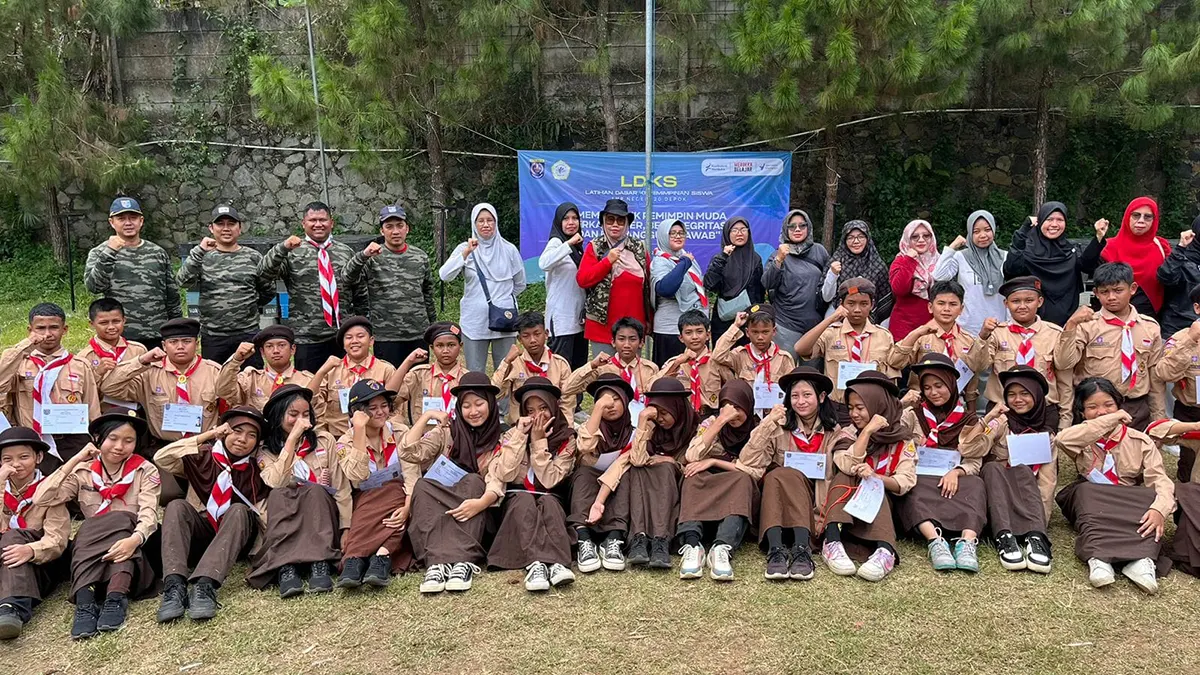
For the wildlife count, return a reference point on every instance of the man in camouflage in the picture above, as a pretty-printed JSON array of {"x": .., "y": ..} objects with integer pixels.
[
  {"x": 231, "y": 292},
  {"x": 135, "y": 272},
  {"x": 394, "y": 277}
]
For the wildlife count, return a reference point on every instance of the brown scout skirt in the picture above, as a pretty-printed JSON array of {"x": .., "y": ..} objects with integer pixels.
[
  {"x": 367, "y": 532},
  {"x": 302, "y": 527},
  {"x": 653, "y": 499},
  {"x": 787, "y": 501},
  {"x": 95, "y": 536},
  {"x": 1187, "y": 448},
  {"x": 1185, "y": 548},
  {"x": 859, "y": 537},
  {"x": 533, "y": 529},
  {"x": 966, "y": 510},
  {"x": 439, "y": 538},
  {"x": 31, "y": 580},
  {"x": 1014, "y": 502},
  {"x": 585, "y": 485},
  {"x": 1106, "y": 519},
  {"x": 1139, "y": 410},
  {"x": 712, "y": 496}
]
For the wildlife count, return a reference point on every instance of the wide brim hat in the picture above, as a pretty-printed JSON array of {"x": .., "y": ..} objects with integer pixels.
[
  {"x": 247, "y": 412},
  {"x": 807, "y": 374},
  {"x": 877, "y": 378},
  {"x": 285, "y": 392},
  {"x": 474, "y": 381},
  {"x": 140, "y": 426},
  {"x": 610, "y": 381},
  {"x": 1017, "y": 372},
  {"x": 365, "y": 390},
  {"x": 536, "y": 383},
  {"x": 22, "y": 436}
]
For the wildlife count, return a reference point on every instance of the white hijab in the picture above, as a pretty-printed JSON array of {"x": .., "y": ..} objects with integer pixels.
[{"x": 498, "y": 259}]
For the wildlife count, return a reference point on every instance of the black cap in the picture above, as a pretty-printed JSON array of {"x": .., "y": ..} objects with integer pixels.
[
  {"x": 762, "y": 308},
  {"x": 274, "y": 332},
  {"x": 22, "y": 436},
  {"x": 535, "y": 383},
  {"x": 285, "y": 392},
  {"x": 1017, "y": 372},
  {"x": 365, "y": 390},
  {"x": 392, "y": 211},
  {"x": 932, "y": 361},
  {"x": 226, "y": 211},
  {"x": 139, "y": 425},
  {"x": 617, "y": 207},
  {"x": 124, "y": 205},
  {"x": 877, "y": 378},
  {"x": 473, "y": 381},
  {"x": 807, "y": 374},
  {"x": 441, "y": 328},
  {"x": 351, "y": 323},
  {"x": 249, "y": 412},
  {"x": 182, "y": 327},
  {"x": 1015, "y": 284},
  {"x": 668, "y": 386},
  {"x": 610, "y": 381}
]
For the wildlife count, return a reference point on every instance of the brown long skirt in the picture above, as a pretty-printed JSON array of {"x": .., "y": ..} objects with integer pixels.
[
  {"x": 95, "y": 536},
  {"x": 712, "y": 496},
  {"x": 1185, "y": 548},
  {"x": 1014, "y": 502},
  {"x": 787, "y": 501},
  {"x": 841, "y": 489},
  {"x": 533, "y": 529},
  {"x": 30, "y": 580},
  {"x": 966, "y": 510},
  {"x": 439, "y": 538},
  {"x": 1106, "y": 519},
  {"x": 585, "y": 485},
  {"x": 1139, "y": 410},
  {"x": 367, "y": 534},
  {"x": 1187, "y": 448},
  {"x": 302, "y": 528},
  {"x": 653, "y": 499}
]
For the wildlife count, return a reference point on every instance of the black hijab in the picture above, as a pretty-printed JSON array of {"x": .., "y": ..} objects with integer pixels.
[
  {"x": 615, "y": 435},
  {"x": 1056, "y": 263},
  {"x": 740, "y": 395},
  {"x": 468, "y": 442},
  {"x": 556, "y": 231},
  {"x": 1036, "y": 420},
  {"x": 739, "y": 267}
]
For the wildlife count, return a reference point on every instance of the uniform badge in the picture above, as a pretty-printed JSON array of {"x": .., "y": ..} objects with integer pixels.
[
  {"x": 182, "y": 379},
  {"x": 261, "y": 465},
  {"x": 838, "y": 345},
  {"x": 158, "y": 390},
  {"x": 1196, "y": 359},
  {"x": 1146, "y": 342},
  {"x": 1099, "y": 339},
  {"x": 95, "y": 362},
  {"x": 927, "y": 347},
  {"x": 258, "y": 392},
  {"x": 1003, "y": 345},
  {"x": 424, "y": 392},
  {"x": 72, "y": 398}
]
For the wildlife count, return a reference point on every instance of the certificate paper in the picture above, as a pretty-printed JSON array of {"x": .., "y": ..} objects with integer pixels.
[
  {"x": 445, "y": 472},
  {"x": 936, "y": 461},
  {"x": 182, "y": 418},
  {"x": 812, "y": 464},
  {"x": 378, "y": 478},
  {"x": 867, "y": 499},
  {"x": 767, "y": 395},
  {"x": 848, "y": 370},
  {"x": 964, "y": 374},
  {"x": 344, "y": 400},
  {"x": 65, "y": 418},
  {"x": 1029, "y": 449}
]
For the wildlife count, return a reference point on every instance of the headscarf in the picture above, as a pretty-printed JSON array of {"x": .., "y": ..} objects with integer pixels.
[
  {"x": 740, "y": 395},
  {"x": 925, "y": 261},
  {"x": 1036, "y": 420},
  {"x": 673, "y": 441},
  {"x": 868, "y": 265},
  {"x": 948, "y": 437},
  {"x": 739, "y": 268},
  {"x": 987, "y": 263},
  {"x": 1145, "y": 253},
  {"x": 801, "y": 248},
  {"x": 662, "y": 234},
  {"x": 560, "y": 430},
  {"x": 615, "y": 435},
  {"x": 498, "y": 259},
  {"x": 880, "y": 401},
  {"x": 556, "y": 230},
  {"x": 466, "y": 441},
  {"x": 1056, "y": 263}
]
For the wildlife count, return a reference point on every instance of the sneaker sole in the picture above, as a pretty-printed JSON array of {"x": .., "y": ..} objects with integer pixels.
[
  {"x": 659, "y": 565},
  {"x": 613, "y": 566},
  {"x": 776, "y": 576},
  {"x": 168, "y": 619},
  {"x": 637, "y": 561},
  {"x": 1148, "y": 588},
  {"x": 1014, "y": 566},
  {"x": 945, "y": 568},
  {"x": 589, "y": 567},
  {"x": 842, "y": 571},
  {"x": 291, "y": 593},
  {"x": 565, "y": 581},
  {"x": 535, "y": 588},
  {"x": 803, "y": 577},
  {"x": 432, "y": 589},
  {"x": 9, "y": 631},
  {"x": 347, "y": 584},
  {"x": 85, "y": 636},
  {"x": 318, "y": 590},
  {"x": 458, "y": 587},
  {"x": 203, "y": 616},
  {"x": 720, "y": 577},
  {"x": 1107, "y": 581},
  {"x": 1040, "y": 569},
  {"x": 698, "y": 574},
  {"x": 870, "y": 577},
  {"x": 109, "y": 629}
]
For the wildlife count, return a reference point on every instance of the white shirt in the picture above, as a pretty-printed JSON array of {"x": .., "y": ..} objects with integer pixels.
[
  {"x": 564, "y": 297},
  {"x": 977, "y": 307},
  {"x": 473, "y": 310}
]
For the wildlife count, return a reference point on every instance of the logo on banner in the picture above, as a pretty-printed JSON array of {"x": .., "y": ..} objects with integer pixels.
[
  {"x": 560, "y": 170},
  {"x": 741, "y": 167},
  {"x": 537, "y": 168}
]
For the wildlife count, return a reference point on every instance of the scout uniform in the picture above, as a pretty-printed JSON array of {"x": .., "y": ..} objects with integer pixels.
[
  {"x": 511, "y": 376},
  {"x": 762, "y": 371},
  {"x": 638, "y": 374},
  {"x": 957, "y": 344},
  {"x": 840, "y": 343},
  {"x": 701, "y": 376},
  {"x": 1180, "y": 363},
  {"x": 427, "y": 386},
  {"x": 252, "y": 386},
  {"x": 96, "y": 351},
  {"x": 35, "y": 379},
  {"x": 140, "y": 277},
  {"x": 331, "y": 404}
]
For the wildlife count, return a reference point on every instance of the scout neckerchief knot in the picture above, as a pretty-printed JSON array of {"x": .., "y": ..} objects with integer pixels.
[
  {"x": 181, "y": 386},
  {"x": 536, "y": 369},
  {"x": 762, "y": 362},
  {"x": 358, "y": 370},
  {"x": 885, "y": 463},
  {"x": 1129, "y": 360},
  {"x": 856, "y": 345},
  {"x": 955, "y": 416},
  {"x": 1108, "y": 465},
  {"x": 694, "y": 380},
  {"x": 18, "y": 504},
  {"x": 221, "y": 496},
  {"x": 444, "y": 380},
  {"x": 1026, "y": 356},
  {"x": 693, "y": 277},
  {"x": 300, "y": 468},
  {"x": 389, "y": 454},
  {"x": 629, "y": 374},
  {"x": 105, "y": 353},
  {"x": 277, "y": 380},
  {"x": 329, "y": 289},
  {"x": 948, "y": 338},
  {"x": 118, "y": 489},
  {"x": 43, "y": 384},
  {"x": 805, "y": 444}
]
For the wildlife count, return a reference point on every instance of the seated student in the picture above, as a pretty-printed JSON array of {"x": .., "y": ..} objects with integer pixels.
[
  {"x": 1180, "y": 363},
  {"x": 374, "y": 547},
  {"x": 530, "y": 357},
  {"x": 331, "y": 383},
  {"x": 1123, "y": 498},
  {"x": 106, "y": 348},
  {"x": 957, "y": 501},
  {"x": 427, "y": 386},
  {"x": 34, "y": 537},
  {"x": 805, "y": 423},
  {"x": 692, "y": 367},
  {"x": 38, "y": 373},
  {"x": 537, "y": 456},
  {"x": 762, "y": 362},
  {"x": 1019, "y": 498},
  {"x": 1117, "y": 344},
  {"x": 715, "y": 489},
  {"x": 1027, "y": 340},
  {"x": 309, "y": 504},
  {"x": 943, "y": 335},
  {"x": 447, "y": 523},
  {"x": 117, "y": 491},
  {"x": 1184, "y": 550},
  {"x": 848, "y": 336},
  {"x": 220, "y": 528},
  {"x": 239, "y": 384},
  {"x": 883, "y": 449},
  {"x": 607, "y": 435},
  {"x": 629, "y": 335}
]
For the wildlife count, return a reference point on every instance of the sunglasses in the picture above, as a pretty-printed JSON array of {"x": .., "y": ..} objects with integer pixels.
[
  {"x": 1148, "y": 217},
  {"x": 921, "y": 237},
  {"x": 797, "y": 226}
]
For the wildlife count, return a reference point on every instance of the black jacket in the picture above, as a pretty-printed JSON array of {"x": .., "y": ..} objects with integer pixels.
[{"x": 1179, "y": 274}]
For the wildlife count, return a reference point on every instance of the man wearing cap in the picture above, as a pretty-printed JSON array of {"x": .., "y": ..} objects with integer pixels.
[
  {"x": 134, "y": 271},
  {"x": 394, "y": 277},
  {"x": 313, "y": 268},
  {"x": 225, "y": 274},
  {"x": 427, "y": 386},
  {"x": 276, "y": 345},
  {"x": 331, "y": 384}
]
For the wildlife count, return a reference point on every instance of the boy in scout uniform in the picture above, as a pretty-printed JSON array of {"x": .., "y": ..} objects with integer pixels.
[
  {"x": 253, "y": 386},
  {"x": 762, "y": 362},
  {"x": 1117, "y": 344},
  {"x": 694, "y": 367},
  {"x": 107, "y": 348},
  {"x": 331, "y": 384},
  {"x": 1180, "y": 364},
  {"x": 629, "y": 335},
  {"x": 427, "y": 386},
  {"x": 529, "y": 357}
]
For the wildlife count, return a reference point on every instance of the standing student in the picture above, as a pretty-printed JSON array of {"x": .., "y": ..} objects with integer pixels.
[
  {"x": 735, "y": 274},
  {"x": 427, "y": 386},
  {"x": 1041, "y": 249},
  {"x": 694, "y": 368},
  {"x": 564, "y": 298},
  {"x": 331, "y": 384},
  {"x": 116, "y": 489},
  {"x": 911, "y": 278},
  {"x": 762, "y": 362},
  {"x": 792, "y": 278},
  {"x": 629, "y": 335},
  {"x": 393, "y": 275},
  {"x": 978, "y": 265},
  {"x": 1180, "y": 365},
  {"x": 600, "y": 441},
  {"x": 1118, "y": 344},
  {"x": 239, "y": 385},
  {"x": 34, "y": 537},
  {"x": 1123, "y": 499},
  {"x": 1138, "y": 245},
  {"x": 857, "y": 257},
  {"x": 678, "y": 287},
  {"x": 530, "y": 357},
  {"x": 225, "y": 273},
  {"x": 135, "y": 272},
  {"x": 1179, "y": 274},
  {"x": 613, "y": 274},
  {"x": 226, "y": 519},
  {"x": 106, "y": 348}
]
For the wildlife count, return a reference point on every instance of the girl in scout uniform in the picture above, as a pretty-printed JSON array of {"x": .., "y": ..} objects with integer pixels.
[
  {"x": 1185, "y": 547},
  {"x": 607, "y": 435}
]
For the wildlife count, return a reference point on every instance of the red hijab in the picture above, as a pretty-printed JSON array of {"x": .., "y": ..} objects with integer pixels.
[{"x": 1145, "y": 253}]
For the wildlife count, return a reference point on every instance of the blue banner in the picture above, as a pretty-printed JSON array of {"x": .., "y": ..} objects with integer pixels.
[{"x": 701, "y": 189}]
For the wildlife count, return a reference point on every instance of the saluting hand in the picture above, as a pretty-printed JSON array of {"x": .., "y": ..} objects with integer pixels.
[
  {"x": 156, "y": 354},
  {"x": 778, "y": 414},
  {"x": 292, "y": 243},
  {"x": 601, "y": 359},
  {"x": 472, "y": 244},
  {"x": 330, "y": 363},
  {"x": 989, "y": 327},
  {"x": 995, "y": 413},
  {"x": 416, "y": 356}
]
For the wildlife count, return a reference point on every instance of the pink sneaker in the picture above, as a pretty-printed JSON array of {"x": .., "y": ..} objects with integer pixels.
[
  {"x": 881, "y": 562},
  {"x": 836, "y": 559}
]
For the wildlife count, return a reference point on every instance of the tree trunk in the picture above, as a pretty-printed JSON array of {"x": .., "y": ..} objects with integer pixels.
[
  {"x": 1039, "y": 150},
  {"x": 608, "y": 104},
  {"x": 437, "y": 182},
  {"x": 684, "y": 102},
  {"x": 831, "y": 184},
  {"x": 55, "y": 227}
]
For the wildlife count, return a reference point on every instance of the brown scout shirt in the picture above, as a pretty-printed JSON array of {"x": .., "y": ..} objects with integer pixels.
[
  {"x": 277, "y": 473},
  {"x": 518, "y": 452},
  {"x": 133, "y": 351},
  {"x": 327, "y": 404},
  {"x": 53, "y": 521},
  {"x": 154, "y": 386},
  {"x": 436, "y": 442},
  {"x": 141, "y": 499},
  {"x": 641, "y": 371},
  {"x": 738, "y": 359},
  {"x": 969, "y": 348},
  {"x": 834, "y": 345},
  {"x": 356, "y": 464},
  {"x": 510, "y": 376},
  {"x": 421, "y": 382},
  {"x": 1136, "y": 458},
  {"x": 1094, "y": 349},
  {"x": 1002, "y": 347},
  {"x": 253, "y": 387},
  {"x": 711, "y": 376},
  {"x": 76, "y": 382}
]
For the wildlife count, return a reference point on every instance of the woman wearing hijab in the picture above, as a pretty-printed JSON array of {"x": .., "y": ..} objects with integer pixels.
[
  {"x": 613, "y": 275},
  {"x": 857, "y": 257},
  {"x": 678, "y": 287},
  {"x": 450, "y": 503},
  {"x": 735, "y": 275},
  {"x": 910, "y": 277},
  {"x": 1179, "y": 274},
  {"x": 792, "y": 279},
  {"x": 1041, "y": 249},
  {"x": 564, "y": 298},
  {"x": 1138, "y": 245},
  {"x": 978, "y": 265},
  {"x": 485, "y": 258}
]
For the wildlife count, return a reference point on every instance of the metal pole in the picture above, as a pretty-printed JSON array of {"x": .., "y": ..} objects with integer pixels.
[
  {"x": 312, "y": 69},
  {"x": 649, "y": 218}
]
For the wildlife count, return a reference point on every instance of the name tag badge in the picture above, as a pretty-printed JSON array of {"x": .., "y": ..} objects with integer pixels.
[
  {"x": 964, "y": 374},
  {"x": 344, "y": 400},
  {"x": 182, "y": 418}
]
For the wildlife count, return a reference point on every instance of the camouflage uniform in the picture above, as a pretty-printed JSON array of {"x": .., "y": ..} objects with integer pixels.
[
  {"x": 142, "y": 280},
  {"x": 226, "y": 282},
  {"x": 298, "y": 269},
  {"x": 399, "y": 291}
]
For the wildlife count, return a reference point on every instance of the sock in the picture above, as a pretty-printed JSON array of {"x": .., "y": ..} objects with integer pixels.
[
  {"x": 774, "y": 537},
  {"x": 120, "y": 583},
  {"x": 691, "y": 538},
  {"x": 175, "y": 579},
  {"x": 800, "y": 536},
  {"x": 86, "y": 596},
  {"x": 887, "y": 547},
  {"x": 833, "y": 532},
  {"x": 614, "y": 536},
  {"x": 583, "y": 534}
]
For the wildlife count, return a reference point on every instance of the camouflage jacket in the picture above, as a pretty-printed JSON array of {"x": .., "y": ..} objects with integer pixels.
[
  {"x": 231, "y": 292},
  {"x": 298, "y": 269},
  {"x": 399, "y": 292},
  {"x": 141, "y": 279}
]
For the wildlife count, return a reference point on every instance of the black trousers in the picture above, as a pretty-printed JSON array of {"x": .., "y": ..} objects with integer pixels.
[
  {"x": 219, "y": 348},
  {"x": 665, "y": 347},
  {"x": 573, "y": 348},
  {"x": 311, "y": 356},
  {"x": 395, "y": 351}
]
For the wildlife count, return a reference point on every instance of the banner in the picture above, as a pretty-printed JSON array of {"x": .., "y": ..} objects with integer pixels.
[{"x": 701, "y": 189}]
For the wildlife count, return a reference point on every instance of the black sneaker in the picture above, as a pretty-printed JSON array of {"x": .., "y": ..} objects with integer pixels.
[
  {"x": 202, "y": 603},
  {"x": 10, "y": 623},
  {"x": 174, "y": 599},
  {"x": 1037, "y": 553},
  {"x": 1011, "y": 556},
  {"x": 290, "y": 583},
  {"x": 319, "y": 580},
  {"x": 777, "y": 564},
  {"x": 112, "y": 614},
  {"x": 801, "y": 567},
  {"x": 639, "y": 550},
  {"x": 660, "y": 555},
  {"x": 84, "y": 625},
  {"x": 379, "y": 572},
  {"x": 352, "y": 573}
]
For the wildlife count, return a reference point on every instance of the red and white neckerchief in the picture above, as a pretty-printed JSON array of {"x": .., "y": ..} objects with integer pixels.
[
  {"x": 104, "y": 352},
  {"x": 357, "y": 370},
  {"x": 182, "y": 395},
  {"x": 885, "y": 464},
  {"x": 530, "y": 479},
  {"x": 118, "y": 489},
  {"x": 43, "y": 384},
  {"x": 629, "y": 373},
  {"x": 444, "y": 381},
  {"x": 692, "y": 276},
  {"x": 856, "y": 345},
  {"x": 805, "y": 444},
  {"x": 388, "y": 453},
  {"x": 17, "y": 504},
  {"x": 221, "y": 495},
  {"x": 1026, "y": 356},
  {"x": 536, "y": 369},
  {"x": 300, "y": 468},
  {"x": 693, "y": 374},
  {"x": 1129, "y": 359},
  {"x": 955, "y": 416},
  {"x": 762, "y": 364},
  {"x": 278, "y": 379},
  {"x": 948, "y": 338},
  {"x": 328, "y": 280},
  {"x": 1108, "y": 464}
]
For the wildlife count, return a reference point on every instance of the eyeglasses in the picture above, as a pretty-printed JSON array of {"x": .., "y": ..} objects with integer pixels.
[
  {"x": 1148, "y": 217},
  {"x": 856, "y": 237},
  {"x": 921, "y": 236},
  {"x": 739, "y": 230},
  {"x": 677, "y": 234}
]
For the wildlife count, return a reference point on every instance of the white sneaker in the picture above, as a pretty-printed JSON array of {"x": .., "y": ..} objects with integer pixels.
[
  {"x": 878, "y": 566},
  {"x": 435, "y": 578},
  {"x": 691, "y": 562},
  {"x": 537, "y": 577},
  {"x": 587, "y": 558},
  {"x": 560, "y": 575},
  {"x": 837, "y": 560},
  {"x": 719, "y": 567},
  {"x": 1142, "y": 574},
  {"x": 611, "y": 556},
  {"x": 460, "y": 576},
  {"x": 1100, "y": 573}
]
